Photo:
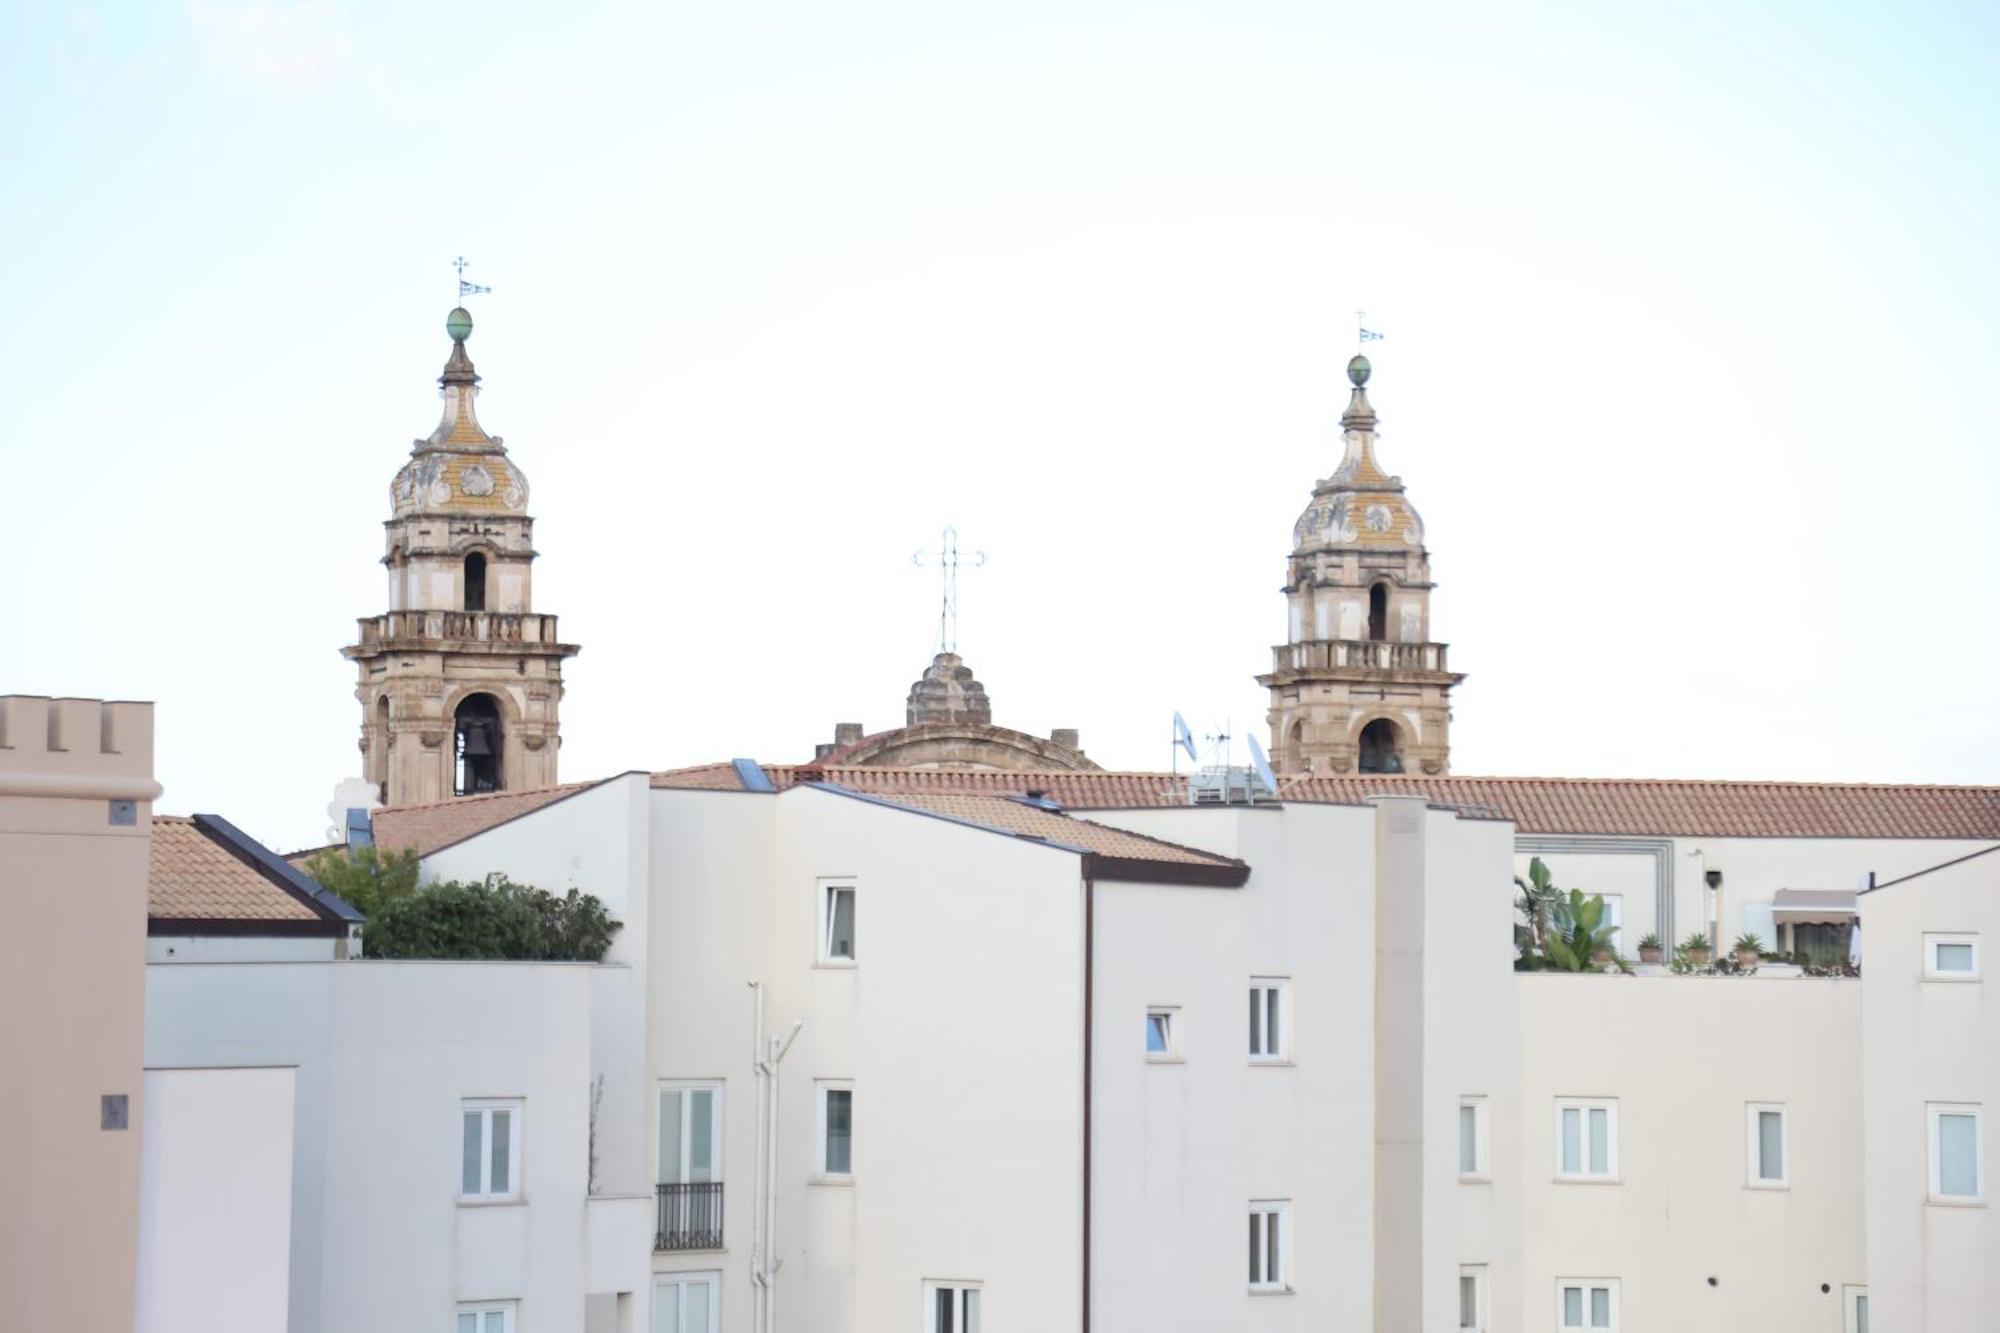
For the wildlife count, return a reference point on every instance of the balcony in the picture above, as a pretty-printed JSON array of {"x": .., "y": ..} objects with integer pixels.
[
  {"x": 1360, "y": 655},
  {"x": 689, "y": 1217},
  {"x": 510, "y": 630}
]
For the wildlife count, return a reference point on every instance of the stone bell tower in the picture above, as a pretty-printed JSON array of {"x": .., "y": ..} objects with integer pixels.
[
  {"x": 461, "y": 680},
  {"x": 1359, "y": 686}
]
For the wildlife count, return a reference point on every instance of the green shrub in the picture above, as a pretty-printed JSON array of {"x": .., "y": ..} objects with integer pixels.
[
  {"x": 366, "y": 878},
  {"x": 495, "y": 918}
]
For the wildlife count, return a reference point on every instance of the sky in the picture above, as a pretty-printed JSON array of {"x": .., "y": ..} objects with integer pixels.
[{"x": 1688, "y": 363}]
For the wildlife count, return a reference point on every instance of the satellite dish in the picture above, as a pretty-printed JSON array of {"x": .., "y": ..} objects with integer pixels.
[{"x": 1263, "y": 766}]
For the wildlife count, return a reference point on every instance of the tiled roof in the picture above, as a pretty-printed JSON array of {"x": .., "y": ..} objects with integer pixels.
[
  {"x": 1118, "y": 854},
  {"x": 1627, "y": 806},
  {"x": 439, "y": 824},
  {"x": 205, "y": 870}
]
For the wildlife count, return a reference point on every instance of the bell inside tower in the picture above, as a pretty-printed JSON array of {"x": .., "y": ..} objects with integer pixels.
[
  {"x": 1380, "y": 752},
  {"x": 477, "y": 745}
]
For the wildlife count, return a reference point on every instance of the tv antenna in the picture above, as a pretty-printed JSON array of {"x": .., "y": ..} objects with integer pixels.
[
  {"x": 948, "y": 558},
  {"x": 465, "y": 288}
]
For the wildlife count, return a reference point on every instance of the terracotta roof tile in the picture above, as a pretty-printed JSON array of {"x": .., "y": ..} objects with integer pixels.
[
  {"x": 192, "y": 876},
  {"x": 1009, "y": 815},
  {"x": 438, "y": 824}
]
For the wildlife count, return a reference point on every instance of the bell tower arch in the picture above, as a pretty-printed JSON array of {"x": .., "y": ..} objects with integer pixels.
[
  {"x": 1360, "y": 685},
  {"x": 461, "y": 679}
]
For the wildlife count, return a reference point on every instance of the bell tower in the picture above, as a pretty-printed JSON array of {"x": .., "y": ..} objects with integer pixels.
[
  {"x": 461, "y": 679},
  {"x": 1359, "y": 686}
]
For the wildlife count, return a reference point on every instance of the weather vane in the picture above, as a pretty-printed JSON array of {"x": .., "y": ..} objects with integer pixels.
[
  {"x": 948, "y": 558},
  {"x": 1361, "y": 325},
  {"x": 465, "y": 288}
]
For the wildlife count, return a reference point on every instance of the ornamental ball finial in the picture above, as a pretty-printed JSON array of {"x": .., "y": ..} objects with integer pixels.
[
  {"x": 1358, "y": 371},
  {"x": 459, "y": 324}
]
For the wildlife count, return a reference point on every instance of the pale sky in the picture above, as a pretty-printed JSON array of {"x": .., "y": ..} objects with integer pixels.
[{"x": 1689, "y": 366}]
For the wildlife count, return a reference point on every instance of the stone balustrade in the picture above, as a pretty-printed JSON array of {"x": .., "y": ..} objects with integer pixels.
[
  {"x": 497, "y": 627},
  {"x": 1360, "y": 655}
]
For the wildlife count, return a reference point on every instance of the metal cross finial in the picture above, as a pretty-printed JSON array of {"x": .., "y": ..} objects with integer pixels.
[
  {"x": 465, "y": 288},
  {"x": 1361, "y": 326},
  {"x": 948, "y": 558}
]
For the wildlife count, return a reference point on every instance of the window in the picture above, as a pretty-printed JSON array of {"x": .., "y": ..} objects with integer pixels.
[
  {"x": 686, "y": 1303},
  {"x": 1472, "y": 1138},
  {"x": 836, "y": 922},
  {"x": 1378, "y": 612},
  {"x": 1270, "y": 1245},
  {"x": 1270, "y": 1019},
  {"x": 690, "y": 1133},
  {"x": 475, "y": 582},
  {"x": 836, "y": 1130},
  {"x": 487, "y": 1317},
  {"x": 1472, "y": 1296},
  {"x": 951, "y": 1307},
  {"x": 490, "y": 1151},
  {"x": 1766, "y": 1128},
  {"x": 1951, "y": 957},
  {"x": 1586, "y": 1303},
  {"x": 1614, "y": 917},
  {"x": 1957, "y": 1175},
  {"x": 1586, "y": 1140},
  {"x": 1856, "y": 1299},
  {"x": 1163, "y": 1033}
]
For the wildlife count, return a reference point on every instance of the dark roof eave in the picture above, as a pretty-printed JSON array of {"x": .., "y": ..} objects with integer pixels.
[
  {"x": 322, "y": 901},
  {"x": 265, "y": 927},
  {"x": 1229, "y": 875}
]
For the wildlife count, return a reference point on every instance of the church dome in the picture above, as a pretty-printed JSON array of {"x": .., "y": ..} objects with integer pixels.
[
  {"x": 459, "y": 468},
  {"x": 1360, "y": 506}
]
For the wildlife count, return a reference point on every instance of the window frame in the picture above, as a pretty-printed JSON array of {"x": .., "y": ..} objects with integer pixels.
[
  {"x": 1934, "y": 938},
  {"x": 1851, "y": 1297},
  {"x": 485, "y": 1107},
  {"x": 1587, "y": 1285},
  {"x": 682, "y": 1087},
  {"x": 1482, "y": 1166},
  {"x": 1583, "y": 1106},
  {"x": 1480, "y": 1315},
  {"x": 1172, "y": 1014},
  {"x": 1261, "y": 987},
  {"x": 1933, "y": 1112},
  {"x": 830, "y": 887},
  {"x": 1753, "y": 1168},
  {"x": 821, "y": 1175},
  {"x": 507, "y": 1311},
  {"x": 710, "y": 1278},
  {"x": 963, "y": 1287},
  {"x": 1281, "y": 1210}
]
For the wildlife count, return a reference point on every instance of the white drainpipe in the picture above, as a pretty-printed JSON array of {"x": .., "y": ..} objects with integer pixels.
[{"x": 767, "y": 1056}]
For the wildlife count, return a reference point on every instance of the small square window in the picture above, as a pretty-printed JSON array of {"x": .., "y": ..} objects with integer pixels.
[
  {"x": 1472, "y": 1297},
  {"x": 1957, "y": 1174},
  {"x": 1951, "y": 957},
  {"x": 1472, "y": 1138},
  {"x": 1270, "y": 1020},
  {"x": 1163, "y": 1033},
  {"x": 489, "y": 1164},
  {"x": 487, "y": 1317},
  {"x": 836, "y": 922},
  {"x": 1270, "y": 1245},
  {"x": 951, "y": 1307},
  {"x": 836, "y": 1131},
  {"x": 1586, "y": 1139},
  {"x": 1587, "y": 1305},
  {"x": 1765, "y": 1127}
]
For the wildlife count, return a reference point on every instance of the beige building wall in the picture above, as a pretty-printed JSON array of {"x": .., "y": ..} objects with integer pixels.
[{"x": 76, "y": 792}]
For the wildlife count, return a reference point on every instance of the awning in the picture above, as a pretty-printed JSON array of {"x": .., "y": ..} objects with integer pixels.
[{"x": 1813, "y": 907}]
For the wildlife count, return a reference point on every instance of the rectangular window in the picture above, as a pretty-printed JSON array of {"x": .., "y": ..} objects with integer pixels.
[
  {"x": 1856, "y": 1300},
  {"x": 690, "y": 1133},
  {"x": 1163, "y": 1033},
  {"x": 1614, "y": 917},
  {"x": 836, "y": 921},
  {"x": 1472, "y": 1297},
  {"x": 1472, "y": 1138},
  {"x": 1589, "y": 1304},
  {"x": 1957, "y": 1175},
  {"x": 1766, "y": 1131},
  {"x": 1270, "y": 1245},
  {"x": 490, "y": 1151},
  {"x": 1270, "y": 1019},
  {"x": 1586, "y": 1139},
  {"x": 951, "y": 1307},
  {"x": 836, "y": 1130},
  {"x": 1951, "y": 957},
  {"x": 687, "y": 1303},
  {"x": 487, "y": 1317}
]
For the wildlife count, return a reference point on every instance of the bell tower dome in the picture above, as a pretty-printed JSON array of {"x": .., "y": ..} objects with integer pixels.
[
  {"x": 1359, "y": 685},
  {"x": 460, "y": 680}
]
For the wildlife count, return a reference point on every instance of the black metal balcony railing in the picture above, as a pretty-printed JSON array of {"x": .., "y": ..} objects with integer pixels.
[{"x": 690, "y": 1217}]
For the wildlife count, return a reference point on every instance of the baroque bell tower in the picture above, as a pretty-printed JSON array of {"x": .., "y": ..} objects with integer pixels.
[
  {"x": 1359, "y": 685},
  {"x": 461, "y": 679}
]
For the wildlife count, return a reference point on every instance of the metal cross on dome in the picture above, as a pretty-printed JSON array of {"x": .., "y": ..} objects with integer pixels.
[
  {"x": 948, "y": 558},
  {"x": 465, "y": 288}
]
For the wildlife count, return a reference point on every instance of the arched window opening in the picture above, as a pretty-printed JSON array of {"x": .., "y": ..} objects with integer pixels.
[
  {"x": 1380, "y": 752},
  {"x": 475, "y": 582},
  {"x": 1378, "y": 612},
  {"x": 379, "y": 752},
  {"x": 477, "y": 745}
]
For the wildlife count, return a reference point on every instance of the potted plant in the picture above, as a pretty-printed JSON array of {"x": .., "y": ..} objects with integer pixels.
[
  {"x": 1748, "y": 949},
  {"x": 1695, "y": 949},
  {"x": 1649, "y": 948}
]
